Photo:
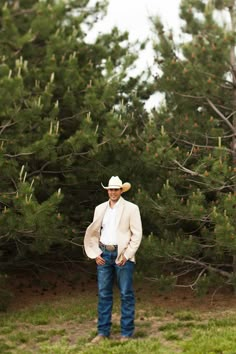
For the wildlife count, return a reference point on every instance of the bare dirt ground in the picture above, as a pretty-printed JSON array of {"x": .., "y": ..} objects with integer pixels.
[
  {"x": 49, "y": 286},
  {"x": 29, "y": 289}
]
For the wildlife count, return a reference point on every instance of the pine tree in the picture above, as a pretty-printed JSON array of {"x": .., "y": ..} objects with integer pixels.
[
  {"x": 193, "y": 147},
  {"x": 66, "y": 106}
]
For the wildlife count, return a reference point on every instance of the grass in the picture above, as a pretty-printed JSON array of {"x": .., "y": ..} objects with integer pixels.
[{"x": 66, "y": 326}]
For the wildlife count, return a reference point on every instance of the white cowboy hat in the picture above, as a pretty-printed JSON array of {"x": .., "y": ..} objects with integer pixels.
[{"x": 116, "y": 183}]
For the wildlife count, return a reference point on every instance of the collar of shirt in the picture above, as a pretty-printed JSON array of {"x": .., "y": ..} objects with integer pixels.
[{"x": 115, "y": 205}]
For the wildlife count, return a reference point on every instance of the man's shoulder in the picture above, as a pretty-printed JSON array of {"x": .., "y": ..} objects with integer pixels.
[
  {"x": 130, "y": 204},
  {"x": 102, "y": 205}
]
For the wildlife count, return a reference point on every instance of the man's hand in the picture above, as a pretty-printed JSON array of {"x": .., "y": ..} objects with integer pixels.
[
  {"x": 122, "y": 261},
  {"x": 100, "y": 260}
]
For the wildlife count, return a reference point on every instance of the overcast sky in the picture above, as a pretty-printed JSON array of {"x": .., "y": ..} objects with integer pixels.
[{"x": 133, "y": 16}]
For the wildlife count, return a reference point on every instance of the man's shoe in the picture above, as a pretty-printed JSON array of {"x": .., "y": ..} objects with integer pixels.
[
  {"x": 125, "y": 338},
  {"x": 99, "y": 338}
]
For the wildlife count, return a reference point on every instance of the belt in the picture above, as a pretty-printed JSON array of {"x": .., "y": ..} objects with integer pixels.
[{"x": 109, "y": 248}]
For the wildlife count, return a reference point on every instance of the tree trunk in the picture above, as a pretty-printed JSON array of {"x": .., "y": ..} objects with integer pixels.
[{"x": 233, "y": 66}]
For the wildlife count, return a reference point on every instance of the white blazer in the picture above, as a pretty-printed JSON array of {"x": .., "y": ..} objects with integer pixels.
[{"x": 129, "y": 230}]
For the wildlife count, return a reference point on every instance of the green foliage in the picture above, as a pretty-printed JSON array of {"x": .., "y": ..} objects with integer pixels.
[
  {"x": 207, "y": 282},
  {"x": 188, "y": 150},
  {"x": 65, "y": 109}
]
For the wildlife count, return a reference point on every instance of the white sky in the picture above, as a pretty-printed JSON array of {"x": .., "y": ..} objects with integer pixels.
[{"x": 133, "y": 16}]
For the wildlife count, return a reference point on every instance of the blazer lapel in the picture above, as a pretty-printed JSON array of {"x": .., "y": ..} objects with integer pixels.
[
  {"x": 100, "y": 215},
  {"x": 119, "y": 211}
]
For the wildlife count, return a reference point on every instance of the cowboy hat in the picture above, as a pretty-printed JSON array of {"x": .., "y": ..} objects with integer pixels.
[{"x": 116, "y": 183}]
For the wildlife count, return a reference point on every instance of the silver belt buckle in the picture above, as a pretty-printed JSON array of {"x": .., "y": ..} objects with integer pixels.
[{"x": 110, "y": 248}]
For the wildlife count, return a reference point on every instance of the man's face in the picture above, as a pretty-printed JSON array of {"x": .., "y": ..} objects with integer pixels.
[{"x": 114, "y": 194}]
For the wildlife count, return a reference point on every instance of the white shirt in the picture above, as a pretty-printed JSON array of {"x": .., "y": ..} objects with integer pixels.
[{"x": 108, "y": 232}]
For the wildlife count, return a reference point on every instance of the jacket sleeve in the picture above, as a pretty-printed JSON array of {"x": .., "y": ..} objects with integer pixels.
[
  {"x": 91, "y": 238},
  {"x": 136, "y": 233}
]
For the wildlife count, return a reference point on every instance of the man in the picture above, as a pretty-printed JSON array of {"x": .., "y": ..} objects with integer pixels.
[{"x": 112, "y": 239}]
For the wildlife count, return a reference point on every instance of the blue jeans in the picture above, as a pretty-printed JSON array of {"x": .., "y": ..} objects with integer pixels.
[{"x": 124, "y": 276}]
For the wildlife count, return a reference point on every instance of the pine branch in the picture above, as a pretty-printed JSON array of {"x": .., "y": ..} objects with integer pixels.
[
  {"x": 221, "y": 115},
  {"x": 209, "y": 185},
  {"x": 193, "y": 284},
  {"x": 184, "y": 169},
  {"x": 8, "y": 124},
  {"x": 212, "y": 147},
  {"x": 20, "y": 154},
  {"x": 204, "y": 265}
]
